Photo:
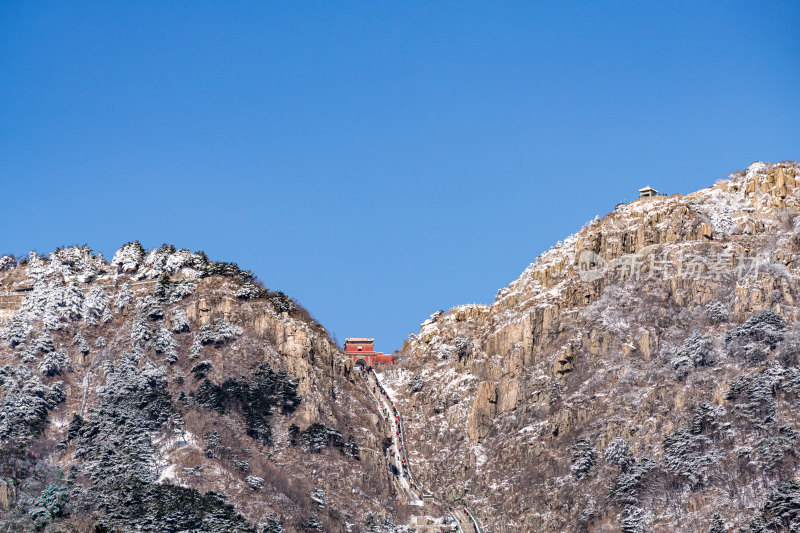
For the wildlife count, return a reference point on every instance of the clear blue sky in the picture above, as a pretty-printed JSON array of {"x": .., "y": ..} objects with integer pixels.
[{"x": 376, "y": 160}]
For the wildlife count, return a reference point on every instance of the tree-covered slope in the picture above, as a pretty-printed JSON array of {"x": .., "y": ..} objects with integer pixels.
[{"x": 162, "y": 391}]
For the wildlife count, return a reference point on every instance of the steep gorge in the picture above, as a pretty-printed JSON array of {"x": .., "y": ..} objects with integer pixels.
[{"x": 642, "y": 375}]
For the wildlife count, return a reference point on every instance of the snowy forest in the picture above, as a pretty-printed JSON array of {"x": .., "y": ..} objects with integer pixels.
[{"x": 153, "y": 393}]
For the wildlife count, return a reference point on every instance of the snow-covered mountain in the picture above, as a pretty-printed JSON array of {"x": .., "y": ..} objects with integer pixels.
[
  {"x": 162, "y": 391},
  {"x": 642, "y": 375}
]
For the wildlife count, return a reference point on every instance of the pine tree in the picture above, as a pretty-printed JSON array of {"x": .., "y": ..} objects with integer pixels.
[
  {"x": 163, "y": 343},
  {"x": 196, "y": 349},
  {"x": 273, "y": 525},
  {"x": 248, "y": 290},
  {"x": 80, "y": 341},
  {"x": 583, "y": 458},
  {"x": 55, "y": 362},
  {"x": 351, "y": 448},
  {"x": 689, "y": 455},
  {"x": 179, "y": 290},
  {"x": 756, "y": 338},
  {"x": 36, "y": 267},
  {"x": 151, "y": 307},
  {"x": 19, "y": 329},
  {"x": 210, "y": 396},
  {"x": 697, "y": 351},
  {"x": 201, "y": 368},
  {"x": 7, "y": 262},
  {"x": 96, "y": 306},
  {"x": 281, "y": 302},
  {"x": 128, "y": 257},
  {"x": 718, "y": 312},
  {"x": 161, "y": 290},
  {"x": 782, "y": 509},
  {"x": 73, "y": 302},
  {"x": 51, "y": 504},
  {"x": 75, "y": 426},
  {"x": 717, "y": 524},
  {"x": 43, "y": 343},
  {"x": 619, "y": 453},
  {"x": 179, "y": 321},
  {"x": 632, "y": 520},
  {"x": 287, "y": 397},
  {"x": 314, "y": 438},
  {"x": 629, "y": 483},
  {"x": 124, "y": 298},
  {"x": 28, "y": 354},
  {"x": 116, "y": 444},
  {"x": 313, "y": 523},
  {"x": 140, "y": 333},
  {"x": 218, "y": 333},
  {"x": 294, "y": 434},
  {"x": 24, "y": 406}
]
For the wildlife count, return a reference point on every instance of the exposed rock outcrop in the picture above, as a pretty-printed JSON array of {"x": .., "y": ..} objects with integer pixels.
[
  {"x": 165, "y": 351},
  {"x": 623, "y": 331}
]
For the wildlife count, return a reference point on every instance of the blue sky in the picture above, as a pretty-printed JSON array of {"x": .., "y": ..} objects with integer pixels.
[{"x": 376, "y": 160}]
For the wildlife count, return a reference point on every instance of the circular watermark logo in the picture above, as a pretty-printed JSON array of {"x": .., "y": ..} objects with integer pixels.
[{"x": 590, "y": 266}]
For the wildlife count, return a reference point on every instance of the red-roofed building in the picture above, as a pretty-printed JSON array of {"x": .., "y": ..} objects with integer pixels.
[{"x": 362, "y": 351}]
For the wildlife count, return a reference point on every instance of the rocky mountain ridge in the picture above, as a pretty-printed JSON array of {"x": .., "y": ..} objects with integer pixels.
[
  {"x": 669, "y": 310},
  {"x": 164, "y": 391},
  {"x": 642, "y": 375}
]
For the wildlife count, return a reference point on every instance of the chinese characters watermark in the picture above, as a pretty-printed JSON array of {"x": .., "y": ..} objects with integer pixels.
[{"x": 591, "y": 266}]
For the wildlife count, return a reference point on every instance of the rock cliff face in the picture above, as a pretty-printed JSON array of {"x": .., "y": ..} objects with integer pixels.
[
  {"x": 163, "y": 391},
  {"x": 641, "y": 375}
]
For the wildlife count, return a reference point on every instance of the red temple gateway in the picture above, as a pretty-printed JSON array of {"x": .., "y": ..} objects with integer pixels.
[{"x": 362, "y": 352}]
